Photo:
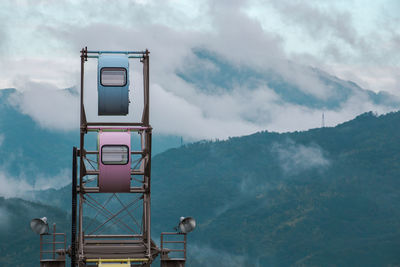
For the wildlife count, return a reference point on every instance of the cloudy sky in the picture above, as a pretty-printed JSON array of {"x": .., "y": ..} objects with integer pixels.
[{"x": 352, "y": 40}]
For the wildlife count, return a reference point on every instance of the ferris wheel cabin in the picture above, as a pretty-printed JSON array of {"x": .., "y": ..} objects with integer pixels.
[{"x": 113, "y": 84}]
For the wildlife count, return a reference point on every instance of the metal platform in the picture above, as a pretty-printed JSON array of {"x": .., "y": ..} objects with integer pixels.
[{"x": 117, "y": 249}]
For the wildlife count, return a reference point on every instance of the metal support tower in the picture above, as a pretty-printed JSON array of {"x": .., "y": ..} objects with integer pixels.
[{"x": 89, "y": 249}]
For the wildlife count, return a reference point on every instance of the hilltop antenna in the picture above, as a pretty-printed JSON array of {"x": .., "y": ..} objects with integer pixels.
[{"x": 323, "y": 120}]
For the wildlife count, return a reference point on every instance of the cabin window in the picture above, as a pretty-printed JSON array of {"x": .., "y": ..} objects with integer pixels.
[
  {"x": 113, "y": 76},
  {"x": 114, "y": 154}
]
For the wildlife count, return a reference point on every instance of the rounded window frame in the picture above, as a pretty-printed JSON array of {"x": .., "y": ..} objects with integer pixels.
[
  {"x": 101, "y": 157},
  {"x": 113, "y": 68}
]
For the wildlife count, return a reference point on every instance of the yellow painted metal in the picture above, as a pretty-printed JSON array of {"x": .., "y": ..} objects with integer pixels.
[
  {"x": 116, "y": 262},
  {"x": 114, "y": 265}
]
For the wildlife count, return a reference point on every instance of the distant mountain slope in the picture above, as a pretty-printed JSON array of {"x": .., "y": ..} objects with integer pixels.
[
  {"x": 211, "y": 73},
  {"x": 27, "y": 148},
  {"x": 19, "y": 246},
  {"x": 326, "y": 196}
]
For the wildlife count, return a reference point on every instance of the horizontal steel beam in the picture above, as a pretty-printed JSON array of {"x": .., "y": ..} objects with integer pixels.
[
  {"x": 97, "y": 190},
  {"x": 115, "y": 124},
  {"x": 117, "y": 260},
  {"x": 172, "y": 233},
  {"x": 96, "y": 172},
  {"x": 131, "y": 128},
  {"x": 115, "y": 248},
  {"x": 113, "y": 236},
  {"x": 116, "y": 52},
  {"x": 132, "y": 152}
]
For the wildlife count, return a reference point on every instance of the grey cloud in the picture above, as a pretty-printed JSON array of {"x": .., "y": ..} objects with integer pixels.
[
  {"x": 3, "y": 41},
  {"x": 242, "y": 40},
  {"x": 334, "y": 31},
  {"x": 319, "y": 22},
  {"x": 177, "y": 107}
]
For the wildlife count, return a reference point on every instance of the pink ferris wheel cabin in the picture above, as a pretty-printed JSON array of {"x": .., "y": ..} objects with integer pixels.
[{"x": 114, "y": 161}]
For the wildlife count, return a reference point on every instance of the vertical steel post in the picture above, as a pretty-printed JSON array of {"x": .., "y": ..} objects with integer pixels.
[
  {"x": 73, "y": 210},
  {"x": 148, "y": 191},
  {"x": 81, "y": 150},
  {"x": 143, "y": 164},
  {"x": 161, "y": 241},
  {"x": 145, "y": 121},
  {"x": 41, "y": 246},
  {"x": 54, "y": 241},
  {"x": 146, "y": 95},
  {"x": 184, "y": 247},
  {"x": 80, "y": 247}
]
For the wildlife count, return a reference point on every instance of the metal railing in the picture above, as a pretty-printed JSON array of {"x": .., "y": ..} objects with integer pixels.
[
  {"x": 165, "y": 251},
  {"x": 50, "y": 244}
]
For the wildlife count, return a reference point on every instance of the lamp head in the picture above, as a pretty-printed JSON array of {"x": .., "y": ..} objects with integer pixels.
[
  {"x": 40, "y": 226},
  {"x": 187, "y": 224}
]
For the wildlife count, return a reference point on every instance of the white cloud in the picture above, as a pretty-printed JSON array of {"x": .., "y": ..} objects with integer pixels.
[
  {"x": 50, "y": 107},
  {"x": 185, "y": 111},
  {"x": 12, "y": 187},
  {"x": 173, "y": 114},
  {"x": 294, "y": 158},
  {"x": 375, "y": 78},
  {"x": 59, "y": 72},
  {"x": 43, "y": 182},
  {"x": 171, "y": 30},
  {"x": 22, "y": 186}
]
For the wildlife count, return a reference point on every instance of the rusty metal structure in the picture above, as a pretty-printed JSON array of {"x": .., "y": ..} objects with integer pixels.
[
  {"x": 104, "y": 235},
  {"x": 166, "y": 257},
  {"x": 88, "y": 248},
  {"x": 52, "y": 249}
]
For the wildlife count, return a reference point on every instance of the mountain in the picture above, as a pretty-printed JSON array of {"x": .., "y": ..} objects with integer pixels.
[
  {"x": 213, "y": 74},
  {"x": 19, "y": 246},
  {"x": 314, "y": 198},
  {"x": 327, "y": 196}
]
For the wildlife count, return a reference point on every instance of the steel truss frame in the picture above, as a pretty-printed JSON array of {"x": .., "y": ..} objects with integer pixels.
[{"x": 81, "y": 193}]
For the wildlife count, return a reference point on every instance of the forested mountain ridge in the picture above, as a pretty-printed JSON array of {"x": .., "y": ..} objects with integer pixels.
[{"x": 323, "y": 197}]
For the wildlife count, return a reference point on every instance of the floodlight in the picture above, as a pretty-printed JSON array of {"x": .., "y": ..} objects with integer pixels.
[
  {"x": 40, "y": 226},
  {"x": 187, "y": 224}
]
